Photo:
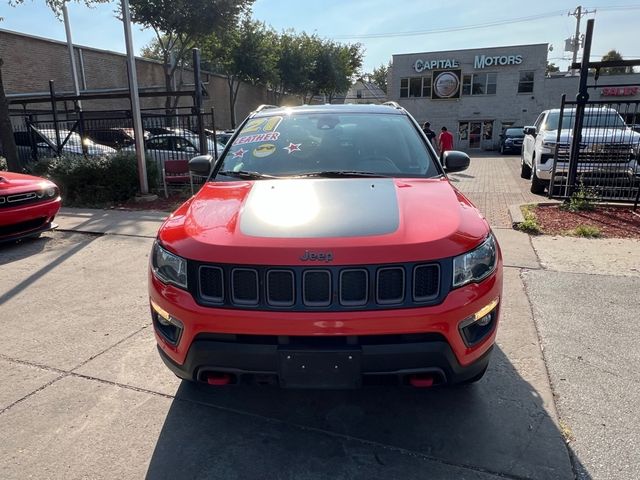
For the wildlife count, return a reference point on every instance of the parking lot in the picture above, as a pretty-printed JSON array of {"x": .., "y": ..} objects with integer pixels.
[{"x": 84, "y": 394}]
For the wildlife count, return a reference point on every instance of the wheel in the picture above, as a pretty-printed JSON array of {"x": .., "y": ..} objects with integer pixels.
[
  {"x": 474, "y": 379},
  {"x": 501, "y": 149},
  {"x": 525, "y": 170},
  {"x": 537, "y": 185}
]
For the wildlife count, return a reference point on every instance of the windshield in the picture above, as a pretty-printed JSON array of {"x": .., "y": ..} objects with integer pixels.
[
  {"x": 330, "y": 143},
  {"x": 592, "y": 119},
  {"x": 514, "y": 132}
]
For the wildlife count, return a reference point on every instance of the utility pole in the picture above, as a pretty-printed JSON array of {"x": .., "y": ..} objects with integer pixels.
[
  {"x": 578, "y": 13},
  {"x": 135, "y": 100},
  {"x": 72, "y": 57}
]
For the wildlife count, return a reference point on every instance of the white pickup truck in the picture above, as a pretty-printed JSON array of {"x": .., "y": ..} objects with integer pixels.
[{"x": 609, "y": 149}]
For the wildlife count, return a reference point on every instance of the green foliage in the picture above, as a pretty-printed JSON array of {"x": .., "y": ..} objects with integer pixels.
[
  {"x": 586, "y": 231},
  {"x": 583, "y": 199},
  {"x": 611, "y": 56},
  {"x": 530, "y": 224},
  {"x": 3, "y": 164},
  {"x": 551, "y": 68},
  {"x": 95, "y": 181},
  {"x": 379, "y": 76}
]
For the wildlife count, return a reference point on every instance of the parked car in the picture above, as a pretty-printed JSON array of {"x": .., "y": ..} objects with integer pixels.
[
  {"x": 45, "y": 144},
  {"x": 608, "y": 151},
  {"x": 175, "y": 147},
  {"x": 222, "y": 136},
  {"x": 327, "y": 249},
  {"x": 117, "y": 138},
  {"x": 28, "y": 206},
  {"x": 511, "y": 140}
]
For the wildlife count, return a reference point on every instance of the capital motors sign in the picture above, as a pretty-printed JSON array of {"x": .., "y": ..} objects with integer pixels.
[
  {"x": 619, "y": 91},
  {"x": 484, "y": 61}
]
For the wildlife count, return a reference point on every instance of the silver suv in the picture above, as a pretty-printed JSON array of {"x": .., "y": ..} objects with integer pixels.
[{"x": 609, "y": 148}]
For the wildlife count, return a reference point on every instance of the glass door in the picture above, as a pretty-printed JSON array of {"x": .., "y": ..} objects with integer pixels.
[{"x": 475, "y": 134}]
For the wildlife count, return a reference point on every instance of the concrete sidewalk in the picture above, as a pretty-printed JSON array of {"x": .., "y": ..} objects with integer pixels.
[{"x": 84, "y": 394}]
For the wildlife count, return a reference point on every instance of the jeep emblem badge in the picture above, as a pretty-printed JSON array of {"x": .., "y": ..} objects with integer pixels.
[{"x": 311, "y": 256}]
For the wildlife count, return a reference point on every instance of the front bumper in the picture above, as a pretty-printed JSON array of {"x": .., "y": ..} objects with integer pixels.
[
  {"x": 379, "y": 364},
  {"x": 596, "y": 170},
  {"x": 28, "y": 220},
  {"x": 390, "y": 342}
]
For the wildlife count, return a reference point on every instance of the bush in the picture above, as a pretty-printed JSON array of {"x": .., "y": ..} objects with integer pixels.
[
  {"x": 530, "y": 224},
  {"x": 586, "y": 231},
  {"x": 584, "y": 199},
  {"x": 95, "y": 181}
]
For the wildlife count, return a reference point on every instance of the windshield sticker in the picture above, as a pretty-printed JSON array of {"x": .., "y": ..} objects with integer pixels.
[
  {"x": 265, "y": 124},
  {"x": 293, "y": 147},
  {"x": 262, "y": 137},
  {"x": 239, "y": 153},
  {"x": 264, "y": 150}
]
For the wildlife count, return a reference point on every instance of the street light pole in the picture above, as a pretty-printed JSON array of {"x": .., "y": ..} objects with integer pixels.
[
  {"x": 72, "y": 57},
  {"x": 135, "y": 99}
]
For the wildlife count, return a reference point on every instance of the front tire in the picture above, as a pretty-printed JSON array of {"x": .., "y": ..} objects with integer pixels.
[
  {"x": 501, "y": 149},
  {"x": 525, "y": 170},
  {"x": 537, "y": 185}
]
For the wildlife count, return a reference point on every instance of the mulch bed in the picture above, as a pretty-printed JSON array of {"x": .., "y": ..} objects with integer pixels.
[{"x": 612, "y": 221}]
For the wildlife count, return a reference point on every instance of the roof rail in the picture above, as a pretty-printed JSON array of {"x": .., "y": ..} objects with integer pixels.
[
  {"x": 392, "y": 104},
  {"x": 264, "y": 107}
]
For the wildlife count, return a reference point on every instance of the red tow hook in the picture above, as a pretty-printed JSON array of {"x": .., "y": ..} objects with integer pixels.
[
  {"x": 216, "y": 378},
  {"x": 421, "y": 381}
]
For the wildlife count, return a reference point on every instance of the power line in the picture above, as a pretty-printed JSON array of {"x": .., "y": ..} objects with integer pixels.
[
  {"x": 454, "y": 29},
  {"x": 496, "y": 23}
]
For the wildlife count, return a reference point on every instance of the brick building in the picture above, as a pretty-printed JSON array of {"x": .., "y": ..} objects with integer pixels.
[{"x": 30, "y": 62}]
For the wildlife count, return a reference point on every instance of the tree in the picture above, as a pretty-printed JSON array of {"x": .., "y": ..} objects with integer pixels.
[
  {"x": 335, "y": 68},
  {"x": 14, "y": 163},
  {"x": 612, "y": 56},
  {"x": 179, "y": 24},
  {"x": 379, "y": 76},
  {"x": 551, "y": 68},
  {"x": 243, "y": 53},
  {"x": 294, "y": 64}
]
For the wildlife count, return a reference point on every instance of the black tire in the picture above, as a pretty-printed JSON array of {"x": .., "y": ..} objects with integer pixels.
[
  {"x": 501, "y": 149},
  {"x": 474, "y": 379},
  {"x": 525, "y": 170},
  {"x": 537, "y": 185}
]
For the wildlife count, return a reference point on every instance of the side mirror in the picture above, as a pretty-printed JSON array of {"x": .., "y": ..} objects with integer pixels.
[
  {"x": 201, "y": 165},
  {"x": 530, "y": 131},
  {"x": 454, "y": 161}
]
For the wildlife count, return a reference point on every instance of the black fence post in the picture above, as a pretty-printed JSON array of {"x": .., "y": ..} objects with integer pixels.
[
  {"x": 215, "y": 134},
  {"x": 32, "y": 138},
  {"x": 581, "y": 101},
  {"x": 198, "y": 99},
  {"x": 54, "y": 111},
  {"x": 80, "y": 114}
]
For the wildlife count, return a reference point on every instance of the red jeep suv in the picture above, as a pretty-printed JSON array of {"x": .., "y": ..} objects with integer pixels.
[{"x": 327, "y": 249}]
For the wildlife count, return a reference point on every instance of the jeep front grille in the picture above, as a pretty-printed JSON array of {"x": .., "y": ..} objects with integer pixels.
[{"x": 320, "y": 288}]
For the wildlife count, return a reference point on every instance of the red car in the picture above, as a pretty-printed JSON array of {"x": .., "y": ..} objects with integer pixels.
[
  {"x": 327, "y": 250},
  {"x": 28, "y": 205}
]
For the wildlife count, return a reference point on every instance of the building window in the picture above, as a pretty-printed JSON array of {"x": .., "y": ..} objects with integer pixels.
[
  {"x": 479, "y": 84},
  {"x": 404, "y": 87},
  {"x": 426, "y": 87},
  {"x": 525, "y": 85},
  {"x": 415, "y": 87},
  {"x": 359, "y": 93}
]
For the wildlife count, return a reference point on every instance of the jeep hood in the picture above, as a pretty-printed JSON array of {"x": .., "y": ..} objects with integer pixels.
[{"x": 357, "y": 220}]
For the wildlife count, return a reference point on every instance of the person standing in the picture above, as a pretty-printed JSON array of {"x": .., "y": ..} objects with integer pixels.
[
  {"x": 445, "y": 141},
  {"x": 431, "y": 135}
]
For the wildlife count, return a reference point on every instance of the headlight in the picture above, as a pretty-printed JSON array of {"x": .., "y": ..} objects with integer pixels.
[
  {"x": 475, "y": 265},
  {"x": 508, "y": 140},
  {"x": 548, "y": 147},
  {"x": 169, "y": 268}
]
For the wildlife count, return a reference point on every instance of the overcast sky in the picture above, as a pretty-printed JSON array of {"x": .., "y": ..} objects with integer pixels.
[{"x": 519, "y": 22}]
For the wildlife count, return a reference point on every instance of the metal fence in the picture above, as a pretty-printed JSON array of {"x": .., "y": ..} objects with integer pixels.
[{"x": 596, "y": 150}]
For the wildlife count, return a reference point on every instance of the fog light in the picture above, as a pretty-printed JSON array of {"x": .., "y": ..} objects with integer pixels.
[
  {"x": 478, "y": 326},
  {"x": 169, "y": 327}
]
